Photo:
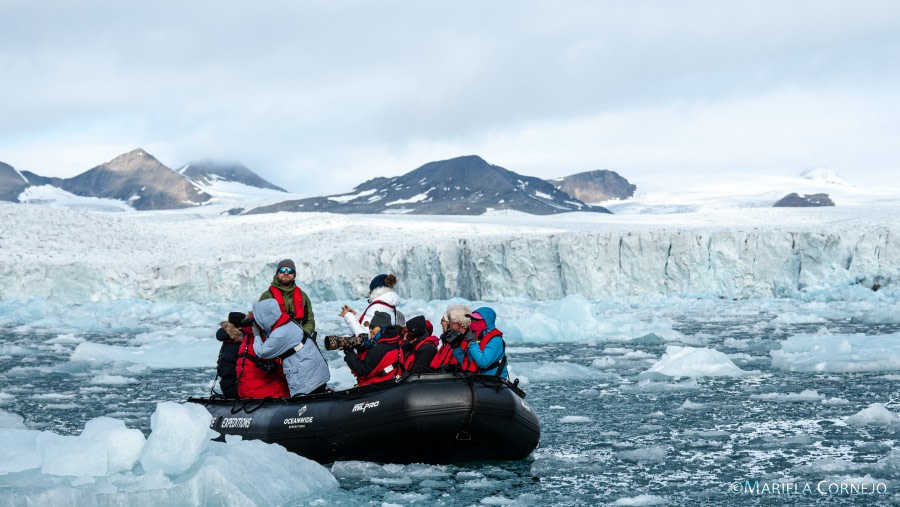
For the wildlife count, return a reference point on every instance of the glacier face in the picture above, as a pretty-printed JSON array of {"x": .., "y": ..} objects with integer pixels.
[{"x": 74, "y": 257}]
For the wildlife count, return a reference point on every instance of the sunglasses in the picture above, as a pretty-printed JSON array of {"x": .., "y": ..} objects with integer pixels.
[{"x": 286, "y": 271}]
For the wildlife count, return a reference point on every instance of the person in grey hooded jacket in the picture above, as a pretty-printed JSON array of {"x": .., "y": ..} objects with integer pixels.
[{"x": 304, "y": 366}]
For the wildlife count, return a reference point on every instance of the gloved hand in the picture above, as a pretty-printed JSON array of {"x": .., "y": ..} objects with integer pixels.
[
  {"x": 249, "y": 321},
  {"x": 470, "y": 337}
]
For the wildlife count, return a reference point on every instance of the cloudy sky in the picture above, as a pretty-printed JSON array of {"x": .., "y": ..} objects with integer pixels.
[{"x": 320, "y": 96}]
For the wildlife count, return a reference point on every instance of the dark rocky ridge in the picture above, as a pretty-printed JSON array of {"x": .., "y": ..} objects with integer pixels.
[
  {"x": 595, "y": 186},
  {"x": 459, "y": 186},
  {"x": 795, "y": 200},
  {"x": 11, "y": 183}
]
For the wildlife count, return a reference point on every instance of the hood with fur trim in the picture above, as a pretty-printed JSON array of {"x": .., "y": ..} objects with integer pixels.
[{"x": 234, "y": 334}]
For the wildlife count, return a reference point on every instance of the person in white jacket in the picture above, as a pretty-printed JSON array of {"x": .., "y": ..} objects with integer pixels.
[{"x": 382, "y": 298}]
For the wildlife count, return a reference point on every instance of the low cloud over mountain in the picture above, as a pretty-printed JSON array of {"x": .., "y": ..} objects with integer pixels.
[{"x": 208, "y": 172}]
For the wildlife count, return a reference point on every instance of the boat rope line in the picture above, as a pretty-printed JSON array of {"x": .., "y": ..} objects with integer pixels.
[
  {"x": 247, "y": 402},
  {"x": 463, "y": 434}
]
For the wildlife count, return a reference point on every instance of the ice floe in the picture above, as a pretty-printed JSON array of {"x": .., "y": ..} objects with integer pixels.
[
  {"x": 178, "y": 464},
  {"x": 834, "y": 353},
  {"x": 876, "y": 414},
  {"x": 695, "y": 362},
  {"x": 804, "y": 396}
]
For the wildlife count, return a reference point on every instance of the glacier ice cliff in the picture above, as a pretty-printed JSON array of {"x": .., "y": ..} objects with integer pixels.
[{"x": 79, "y": 257}]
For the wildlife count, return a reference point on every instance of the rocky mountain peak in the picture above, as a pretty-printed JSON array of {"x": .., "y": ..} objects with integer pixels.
[
  {"x": 595, "y": 186},
  {"x": 134, "y": 160},
  {"x": 139, "y": 179},
  {"x": 795, "y": 200},
  {"x": 465, "y": 185}
]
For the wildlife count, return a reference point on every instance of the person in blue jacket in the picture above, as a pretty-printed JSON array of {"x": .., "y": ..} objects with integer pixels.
[{"x": 485, "y": 346}]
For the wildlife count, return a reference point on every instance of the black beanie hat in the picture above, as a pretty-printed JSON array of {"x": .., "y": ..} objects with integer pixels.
[
  {"x": 235, "y": 318},
  {"x": 416, "y": 327},
  {"x": 381, "y": 320},
  {"x": 286, "y": 263}
]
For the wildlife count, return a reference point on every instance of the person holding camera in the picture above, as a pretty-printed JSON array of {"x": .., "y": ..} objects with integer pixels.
[
  {"x": 382, "y": 298},
  {"x": 277, "y": 335},
  {"x": 454, "y": 324},
  {"x": 291, "y": 300},
  {"x": 378, "y": 358}
]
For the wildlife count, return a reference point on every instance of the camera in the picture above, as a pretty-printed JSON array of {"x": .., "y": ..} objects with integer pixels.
[{"x": 339, "y": 342}]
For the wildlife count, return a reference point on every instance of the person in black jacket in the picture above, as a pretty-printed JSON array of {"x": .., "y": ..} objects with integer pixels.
[
  {"x": 419, "y": 348},
  {"x": 230, "y": 335},
  {"x": 378, "y": 358}
]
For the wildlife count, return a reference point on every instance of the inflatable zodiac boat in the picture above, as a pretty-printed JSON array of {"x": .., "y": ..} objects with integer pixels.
[{"x": 433, "y": 418}]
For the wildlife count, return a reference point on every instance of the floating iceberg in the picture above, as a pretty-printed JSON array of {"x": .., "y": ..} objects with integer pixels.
[
  {"x": 180, "y": 465},
  {"x": 875, "y": 413},
  {"x": 695, "y": 362}
]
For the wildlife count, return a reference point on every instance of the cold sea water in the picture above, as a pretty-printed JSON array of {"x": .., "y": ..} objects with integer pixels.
[{"x": 612, "y": 432}]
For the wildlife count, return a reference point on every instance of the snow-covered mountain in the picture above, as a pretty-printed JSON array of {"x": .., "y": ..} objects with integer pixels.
[
  {"x": 595, "y": 186},
  {"x": 459, "y": 186},
  {"x": 209, "y": 173},
  {"x": 140, "y": 179}
]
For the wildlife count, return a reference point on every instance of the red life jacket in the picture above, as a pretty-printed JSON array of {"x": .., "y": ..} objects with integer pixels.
[
  {"x": 378, "y": 302},
  {"x": 469, "y": 364},
  {"x": 252, "y": 380},
  {"x": 388, "y": 368},
  {"x": 408, "y": 361},
  {"x": 299, "y": 303},
  {"x": 444, "y": 357}
]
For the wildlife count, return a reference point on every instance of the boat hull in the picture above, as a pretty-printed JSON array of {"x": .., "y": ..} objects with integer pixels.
[{"x": 435, "y": 418}]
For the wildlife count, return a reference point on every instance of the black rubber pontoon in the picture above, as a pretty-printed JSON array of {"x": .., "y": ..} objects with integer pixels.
[{"x": 433, "y": 418}]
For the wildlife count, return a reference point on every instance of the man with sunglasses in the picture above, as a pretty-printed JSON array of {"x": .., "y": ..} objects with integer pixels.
[{"x": 290, "y": 298}]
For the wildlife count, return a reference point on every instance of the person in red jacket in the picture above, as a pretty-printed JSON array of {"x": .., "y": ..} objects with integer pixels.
[
  {"x": 455, "y": 324},
  {"x": 418, "y": 348},
  {"x": 378, "y": 358},
  {"x": 256, "y": 377}
]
